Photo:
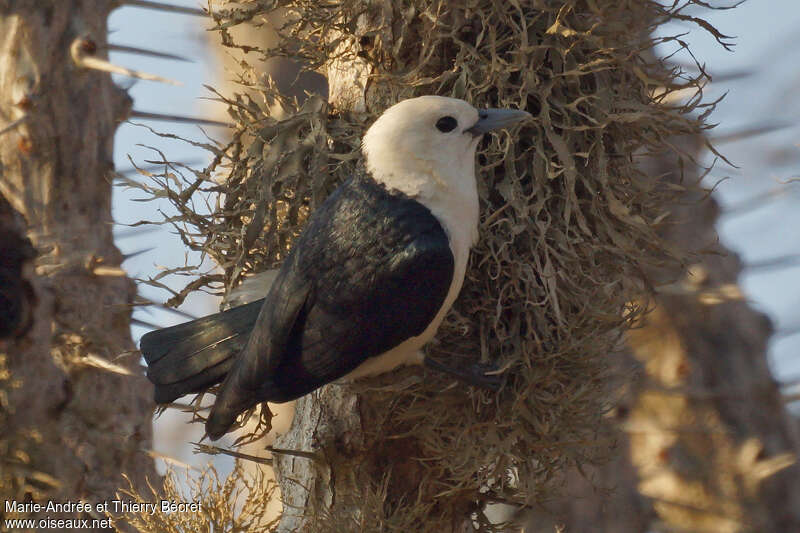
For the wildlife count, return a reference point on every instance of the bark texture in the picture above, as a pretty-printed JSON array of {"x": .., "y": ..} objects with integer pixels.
[
  {"x": 706, "y": 444},
  {"x": 75, "y": 410}
]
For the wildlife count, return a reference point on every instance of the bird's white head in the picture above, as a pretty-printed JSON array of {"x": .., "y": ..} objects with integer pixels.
[
  {"x": 419, "y": 146},
  {"x": 425, "y": 148},
  {"x": 427, "y": 144}
]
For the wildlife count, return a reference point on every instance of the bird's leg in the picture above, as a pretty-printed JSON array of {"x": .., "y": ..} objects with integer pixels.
[{"x": 474, "y": 374}]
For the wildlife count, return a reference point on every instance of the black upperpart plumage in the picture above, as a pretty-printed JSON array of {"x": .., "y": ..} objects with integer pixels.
[{"x": 371, "y": 269}]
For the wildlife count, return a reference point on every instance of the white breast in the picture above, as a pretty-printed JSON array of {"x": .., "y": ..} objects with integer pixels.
[
  {"x": 408, "y": 352},
  {"x": 457, "y": 212}
]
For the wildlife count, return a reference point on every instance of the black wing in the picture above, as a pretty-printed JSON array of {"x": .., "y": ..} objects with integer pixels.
[
  {"x": 192, "y": 356},
  {"x": 371, "y": 270}
]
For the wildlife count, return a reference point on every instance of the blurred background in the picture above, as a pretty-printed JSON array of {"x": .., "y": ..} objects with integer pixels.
[{"x": 758, "y": 131}]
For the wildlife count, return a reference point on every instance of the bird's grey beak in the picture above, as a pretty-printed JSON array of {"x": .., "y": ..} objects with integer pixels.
[{"x": 493, "y": 119}]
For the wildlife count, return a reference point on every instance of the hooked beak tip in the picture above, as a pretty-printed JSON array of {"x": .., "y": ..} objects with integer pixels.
[{"x": 493, "y": 119}]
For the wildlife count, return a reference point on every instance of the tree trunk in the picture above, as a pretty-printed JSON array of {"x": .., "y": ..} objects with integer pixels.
[
  {"x": 76, "y": 410},
  {"x": 703, "y": 429},
  {"x": 706, "y": 444}
]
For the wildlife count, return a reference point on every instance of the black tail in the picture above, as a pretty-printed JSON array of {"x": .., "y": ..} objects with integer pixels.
[{"x": 191, "y": 357}]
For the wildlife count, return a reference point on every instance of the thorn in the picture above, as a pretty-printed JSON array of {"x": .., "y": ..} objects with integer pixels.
[
  {"x": 297, "y": 453},
  {"x": 732, "y": 75},
  {"x": 144, "y": 51},
  {"x": 13, "y": 125},
  {"x": 786, "y": 261},
  {"x": 216, "y": 450},
  {"x": 158, "y": 166},
  {"x": 144, "y": 324},
  {"x": 179, "y": 118},
  {"x": 748, "y": 132},
  {"x": 108, "y": 271},
  {"x": 125, "y": 257},
  {"x": 82, "y": 56},
  {"x": 170, "y": 460},
  {"x": 790, "y": 398},
  {"x": 717, "y": 77},
  {"x": 165, "y": 7},
  {"x": 141, "y": 301},
  {"x": 783, "y": 333},
  {"x": 185, "y": 407},
  {"x": 134, "y": 232},
  {"x": 756, "y": 202},
  {"x": 104, "y": 364}
]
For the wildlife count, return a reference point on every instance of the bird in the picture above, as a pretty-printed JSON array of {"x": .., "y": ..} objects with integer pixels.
[{"x": 366, "y": 284}]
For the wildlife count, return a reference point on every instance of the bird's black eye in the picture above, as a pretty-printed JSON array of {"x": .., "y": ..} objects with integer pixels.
[{"x": 446, "y": 124}]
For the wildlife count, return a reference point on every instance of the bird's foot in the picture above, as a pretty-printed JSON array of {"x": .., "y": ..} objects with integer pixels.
[{"x": 475, "y": 374}]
